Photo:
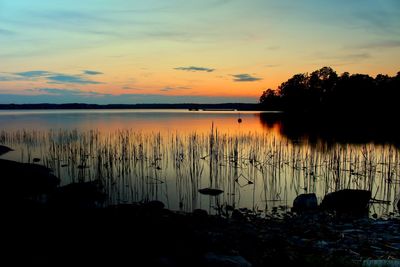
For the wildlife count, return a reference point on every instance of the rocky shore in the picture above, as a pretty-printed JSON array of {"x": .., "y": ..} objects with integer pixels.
[{"x": 149, "y": 235}]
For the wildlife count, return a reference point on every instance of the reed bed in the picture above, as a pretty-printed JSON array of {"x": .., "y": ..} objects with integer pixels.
[{"x": 262, "y": 172}]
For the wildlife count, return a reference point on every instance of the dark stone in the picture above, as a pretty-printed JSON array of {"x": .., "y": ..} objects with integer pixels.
[
  {"x": 4, "y": 149},
  {"x": 25, "y": 179},
  {"x": 210, "y": 191},
  {"x": 200, "y": 213},
  {"x": 212, "y": 259},
  {"x": 398, "y": 205},
  {"x": 238, "y": 215},
  {"x": 78, "y": 195},
  {"x": 154, "y": 205},
  {"x": 305, "y": 202},
  {"x": 349, "y": 201}
]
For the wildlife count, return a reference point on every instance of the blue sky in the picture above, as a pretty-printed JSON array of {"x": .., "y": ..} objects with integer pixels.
[{"x": 185, "y": 51}]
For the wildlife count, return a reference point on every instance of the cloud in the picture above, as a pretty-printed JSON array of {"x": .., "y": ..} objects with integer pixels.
[
  {"x": 193, "y": 68},
  {"x": 245, "y": 78},
  {"x": 64, "y": 92},
  {"x": 170, "y": 88},
  {"x": 380, "y": 44},
  {"x": 357, "y": 56},
  {"x": 273, "y": 47},
  {"x": 57, "y": 91},
  {"x": 6, "y": 32},
  {"x": 272, "y": 65},
  {"x": 34, "y": 74},
  {"x": 94, "y": 98},
  {"x": 6, "y": 77},
  {"x": 50, "y": 77},
  {"x": 63, "y": 78},
  {"x": 92, "y": 72}
]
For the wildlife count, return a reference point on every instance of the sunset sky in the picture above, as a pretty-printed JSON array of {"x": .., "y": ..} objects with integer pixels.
[{"x": 208, "y": 51}]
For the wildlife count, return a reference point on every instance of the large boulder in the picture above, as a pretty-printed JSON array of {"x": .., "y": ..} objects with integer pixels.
[
  {"x": 25, "y": 180},
  {"x": 349, "y": 201},
  {"x": 305, "y": 202},
  {"x": 217, "y": 260}
]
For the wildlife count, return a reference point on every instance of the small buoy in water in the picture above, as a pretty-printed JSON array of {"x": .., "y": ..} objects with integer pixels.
[{"x": 239, "y": 120}]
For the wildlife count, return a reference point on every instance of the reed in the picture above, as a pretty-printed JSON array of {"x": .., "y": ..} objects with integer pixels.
[{"x": 256, "y": 171}]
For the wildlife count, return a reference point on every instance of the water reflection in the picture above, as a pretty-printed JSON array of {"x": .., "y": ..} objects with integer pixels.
[
  {"x": 262, "y": 163},
  {"x": 333, "y": 129}
]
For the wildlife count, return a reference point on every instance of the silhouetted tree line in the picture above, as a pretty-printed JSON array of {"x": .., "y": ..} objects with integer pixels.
[{"x": 324, "y": 91}]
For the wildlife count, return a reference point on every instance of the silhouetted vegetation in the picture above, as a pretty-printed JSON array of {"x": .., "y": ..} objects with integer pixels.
[{"x": 324, "y": 91}]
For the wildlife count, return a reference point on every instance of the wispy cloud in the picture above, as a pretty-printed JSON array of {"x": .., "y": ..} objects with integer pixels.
[
  {"x": 57, "y": 91},
  {"x": 357, "y": 56},
  {"x": 92, "y": 72},
  {"x": 193, "y": 68},
  {"x": 63, "y": 92},
  {"x": 51, "y": 77},
  {"x": 6, "y": 32},
  {"x": 34, "y": 74},
  {"x": 245, "y": 78},
  {"x": 63, "y": 78},
  {"x": 379, "y": 44},
  {"x": 273, "y": 47},
  {"x": 94, "y": 98},
  {"x": 272, "y": 65},
  {"x": 171, "y": 88},
  {"x": 6, "y": 77}
]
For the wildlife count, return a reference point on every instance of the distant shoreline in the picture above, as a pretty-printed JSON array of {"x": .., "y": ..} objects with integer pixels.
[{"x": 224, "y": 106}]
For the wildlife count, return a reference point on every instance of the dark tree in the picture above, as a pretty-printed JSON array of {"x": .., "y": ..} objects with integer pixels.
[
  {"x": 294, "y": 93},
  {"x": 270, "y": 99},
  {"x": 324, "y": 92}
]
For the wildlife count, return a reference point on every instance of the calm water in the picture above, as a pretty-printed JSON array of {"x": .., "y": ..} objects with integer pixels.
[{"x": 170, "y": 154}]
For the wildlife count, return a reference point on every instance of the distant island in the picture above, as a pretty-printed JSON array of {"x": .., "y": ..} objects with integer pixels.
[{"x": 324, "y": 92}]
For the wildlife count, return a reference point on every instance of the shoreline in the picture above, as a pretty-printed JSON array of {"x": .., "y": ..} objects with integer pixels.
[{"x": 156, "y": 236}]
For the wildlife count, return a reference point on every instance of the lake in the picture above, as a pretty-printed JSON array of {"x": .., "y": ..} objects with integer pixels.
[{"x": 261, "y": 163}]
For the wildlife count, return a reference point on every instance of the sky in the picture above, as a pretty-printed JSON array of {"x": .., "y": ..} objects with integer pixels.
[{"x": 185, "y": 51}]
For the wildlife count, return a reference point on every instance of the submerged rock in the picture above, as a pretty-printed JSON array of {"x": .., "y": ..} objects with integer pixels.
[
  {"x": 212, "y": 259},
  {"x": 305, "y": 202},
  {"x": 200, "y": 213},
  {"x": 210, "y": 191},
  {"x": 349, "y": 201},
  {"x": 4, "y": 149}
]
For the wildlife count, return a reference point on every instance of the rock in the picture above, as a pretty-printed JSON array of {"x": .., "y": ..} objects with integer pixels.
[
  {"x": 25, "y": 179},
  {"x": 78, "y": 195},
  {"x": 398, "y": 205},
  {"x": 348, "y": 201},
  {"x": 305, "y": 202},
  {"x": 378, "y": 263},
  {"x": 214, "y": 260},
  {"x": 238, "y": 215},
  {"x": 210, "y": 191},
  {"x": 322, "y": 245},
  {"x": 200, "y": 213},
  {"x": 4, "y": 149},
  {"x": 154, "y": 205}
]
